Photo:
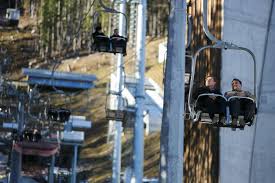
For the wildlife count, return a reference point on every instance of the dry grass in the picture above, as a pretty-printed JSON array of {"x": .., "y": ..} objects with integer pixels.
[{"x": 96, "y": 154}]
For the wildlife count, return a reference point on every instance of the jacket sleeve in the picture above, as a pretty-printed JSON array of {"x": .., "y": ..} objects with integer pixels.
[
  {"x": 248, "y": 94},
  {"x": 199, "y": 91}
]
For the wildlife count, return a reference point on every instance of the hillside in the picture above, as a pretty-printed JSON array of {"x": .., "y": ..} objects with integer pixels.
[{"x": 95, "y": 155}]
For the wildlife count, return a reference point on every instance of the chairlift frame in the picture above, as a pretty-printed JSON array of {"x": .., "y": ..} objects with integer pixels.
[
  {"x": 110, "y": 49},
  {"x": 218, "y": 44}
]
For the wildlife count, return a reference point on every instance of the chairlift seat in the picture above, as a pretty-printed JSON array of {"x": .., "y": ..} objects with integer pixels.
[
  {"x": 102, "y": 43},
  {"x": 59, "y": 114},
  {"x": 31, "y": 136},
  {"x": 119, "y": 44},
  {"x": 42, "y": 148},
  {"x": 204, "y": 117},
  {"x": 207, "y": 95},
  {"x": 13, "y": 16},
  {"x": 241, "y": 116},
  {"x": 116, "y": 115}
]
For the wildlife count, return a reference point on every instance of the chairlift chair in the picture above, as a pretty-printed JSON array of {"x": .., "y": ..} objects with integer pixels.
[
  {"x": 195, "y": 115},
  {"x": 13, "y": 15},
  {"x": 110, "y": 45},
  {"x": 36, "y": 144},
  {"x": 102, "y": 44},
  {"x": 114, "y": 114},
  {"x": 124, "y": 113},
  {"x": 219, "y": 44},
  {"x": 59, "y": 114}
]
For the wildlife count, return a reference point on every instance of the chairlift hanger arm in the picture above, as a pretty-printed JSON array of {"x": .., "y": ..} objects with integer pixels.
[
  {"x": 189, "y": 31},
  {"x": 205, "y": 24},
  {"x": 190, "y": 94},
  {"x": 228, "y": 45}
]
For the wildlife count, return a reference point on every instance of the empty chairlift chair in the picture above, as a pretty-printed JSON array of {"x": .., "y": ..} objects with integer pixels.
[
  {"x": 59, "y": 114},
  {"x": 12, "y": 15}
]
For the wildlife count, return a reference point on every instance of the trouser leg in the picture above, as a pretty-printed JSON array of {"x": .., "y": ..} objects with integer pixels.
[
  {"x": 211, "y": 107},
  {"x": 249, "y": 110},
  {"x": 221, "y": 106},
  {"x": 234, "y": 107}
]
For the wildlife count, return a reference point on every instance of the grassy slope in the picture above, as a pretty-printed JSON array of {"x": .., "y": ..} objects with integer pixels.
[{"x": 95, "y": 155}]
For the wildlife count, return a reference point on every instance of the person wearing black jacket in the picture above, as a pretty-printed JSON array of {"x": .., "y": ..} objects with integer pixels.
[
  {"x": 211, "y": 104},
  {"x": 98, "y": 37},
  {"x": 98, "y": 32}
]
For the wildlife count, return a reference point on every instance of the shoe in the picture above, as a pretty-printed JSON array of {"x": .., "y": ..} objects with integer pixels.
[
  {"x": 214, "y": 118},
  {"x": 234, "y": 122},
  {"x": 249, "y": 120},
  {"x": 242, "y": 122},
  {"x": 222, "y": 120}
]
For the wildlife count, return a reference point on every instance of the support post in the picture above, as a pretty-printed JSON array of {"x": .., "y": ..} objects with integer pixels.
[
  {"x": 16, "y": 157},
  {"x": 74, "y": 163},
  {"x": 51, "y": 172},
  {"x": 118, "y": 88},
  {"x": 172, "y": 129},
  {"x": 139, "y": 126},
  {"x": 117, "y": 154}
]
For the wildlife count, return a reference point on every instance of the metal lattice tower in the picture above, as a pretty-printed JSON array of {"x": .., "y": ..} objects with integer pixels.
[{"x": 133, "y": 23}]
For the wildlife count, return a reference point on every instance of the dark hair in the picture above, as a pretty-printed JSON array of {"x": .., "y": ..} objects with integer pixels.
[
  {"x": 98, "y": 28},
  {"x": 213, "y": 77},
  {"x": 236, "y": 79}
]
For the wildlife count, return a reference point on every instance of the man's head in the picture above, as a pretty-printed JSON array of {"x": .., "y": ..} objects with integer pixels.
[
  {"x": 210, "y": 82},
  {"x": 115, "y": 31},
  {"x": 98, "y": 29},
  {"x": 236, "y": 84}
]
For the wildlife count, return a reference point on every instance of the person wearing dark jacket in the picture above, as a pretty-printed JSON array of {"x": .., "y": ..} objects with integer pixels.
[
  {"x": 118, "y": 40},
  {"x": 240, "y": 106},
  {"x": 99, "y": 37},
  {"x": 98, "y": 32},
  {"x": 211, "y": 104}
]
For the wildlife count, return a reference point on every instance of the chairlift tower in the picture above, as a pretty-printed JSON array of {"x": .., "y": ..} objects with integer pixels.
[
  {"x": 172, "y": 130},
  {"x": 133, "y": 23}
]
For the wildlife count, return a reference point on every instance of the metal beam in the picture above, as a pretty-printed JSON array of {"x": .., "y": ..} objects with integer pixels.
[
  {"x": 172, "y": 130},
  {"x": 140, "y": 96}
]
